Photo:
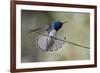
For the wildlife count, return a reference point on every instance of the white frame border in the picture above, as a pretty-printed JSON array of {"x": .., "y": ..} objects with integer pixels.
[{"x": 20, "y": 65}]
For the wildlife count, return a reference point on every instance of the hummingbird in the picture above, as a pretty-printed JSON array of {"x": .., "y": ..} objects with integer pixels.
[
  {"x": 52, "y": 30},
  {"x": 49, "y": 42}
]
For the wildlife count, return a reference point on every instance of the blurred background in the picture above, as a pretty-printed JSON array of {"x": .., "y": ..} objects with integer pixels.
[{"x": 77, "y": 30}]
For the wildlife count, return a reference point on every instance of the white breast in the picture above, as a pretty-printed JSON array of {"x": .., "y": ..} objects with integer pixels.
[{"x": 53, "y": 33}]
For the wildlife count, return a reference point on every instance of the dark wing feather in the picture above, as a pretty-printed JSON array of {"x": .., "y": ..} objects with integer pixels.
[{"x": 43, "y": 28}]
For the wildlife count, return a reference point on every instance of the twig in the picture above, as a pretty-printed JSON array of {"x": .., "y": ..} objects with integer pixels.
[{"x": 63, "y": 40}]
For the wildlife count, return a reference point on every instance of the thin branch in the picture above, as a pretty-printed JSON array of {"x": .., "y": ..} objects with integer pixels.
[{"x": 63, "y": 40}]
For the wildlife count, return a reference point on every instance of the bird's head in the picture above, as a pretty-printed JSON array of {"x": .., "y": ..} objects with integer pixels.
[{"x": 57, "y": 25}]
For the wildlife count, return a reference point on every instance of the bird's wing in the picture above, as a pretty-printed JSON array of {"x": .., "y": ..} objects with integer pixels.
[
  {"x": 55, "y": 38},
  {"x": 42, "y": 28}
]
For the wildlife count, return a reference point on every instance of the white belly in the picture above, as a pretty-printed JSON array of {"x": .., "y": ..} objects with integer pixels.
[
  {"x": 51, "y": 40},
  {"x": 53, "y": 33}
]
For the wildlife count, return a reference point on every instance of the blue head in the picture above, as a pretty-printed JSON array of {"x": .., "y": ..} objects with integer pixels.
[{"x": 55, "y": 25}]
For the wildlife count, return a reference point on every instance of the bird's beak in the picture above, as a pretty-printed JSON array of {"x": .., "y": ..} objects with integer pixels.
[{"x": 65, "y": 22}]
